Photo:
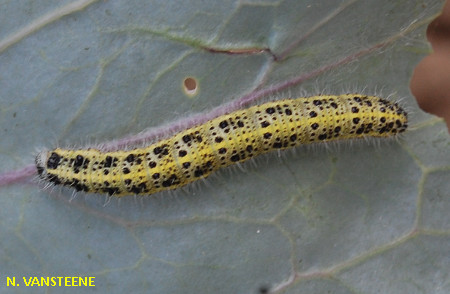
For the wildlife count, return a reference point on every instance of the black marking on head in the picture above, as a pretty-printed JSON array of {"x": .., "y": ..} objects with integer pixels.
[
  {"x": 218, "y": 139},
  {"x": 240, "y": 124},
  {"x": 334, "y": 105},
  {"x": 288, "y": 111},
  {"x": 267, "y": 135},
  {"x": 317, "y": 102},
  {"x": 355, "y": 120},
  {"x": 222, "y": 150},
  {"x": 53, "y": 161},
  {"x": 314, "y": 126},
  {"x": 186, "y": 164},
  {"x": 293, "y": 137},
  {"x": 126, "y": 170},
  {"x": 355, "y": 109},
  {"x": 270, "y": 110},
  {"x": 152, "y": 164},
  {"x": 182, "y": 153},
  {"x": 357, "y": 99},
  {"x": 54, "y": 179},
  {"x": 156, "y": 176},
  {"x": 313, "y": 114}
]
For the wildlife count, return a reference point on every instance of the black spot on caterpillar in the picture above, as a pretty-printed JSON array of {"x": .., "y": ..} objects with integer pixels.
[{"x": 236, "y": 137}]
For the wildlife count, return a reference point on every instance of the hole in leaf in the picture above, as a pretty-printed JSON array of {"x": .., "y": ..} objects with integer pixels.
[{"x": 190, "y": 86}]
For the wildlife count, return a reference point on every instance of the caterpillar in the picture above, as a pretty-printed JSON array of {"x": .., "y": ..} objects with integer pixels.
[{"x": 195, "y": 153}]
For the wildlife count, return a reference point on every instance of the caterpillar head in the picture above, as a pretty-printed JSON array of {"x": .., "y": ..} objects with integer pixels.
[{"x": 47, "y": 160}]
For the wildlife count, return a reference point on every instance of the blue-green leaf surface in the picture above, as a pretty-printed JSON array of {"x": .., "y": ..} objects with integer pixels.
[{"x": 352, "y": 218}]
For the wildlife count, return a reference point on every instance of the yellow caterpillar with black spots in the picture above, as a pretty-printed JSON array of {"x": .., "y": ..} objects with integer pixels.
[{"x": 195, "y": 153}]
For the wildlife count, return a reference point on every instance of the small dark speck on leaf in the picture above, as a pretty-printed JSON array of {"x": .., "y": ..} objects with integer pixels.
[{"x": 263, "y": 290}]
